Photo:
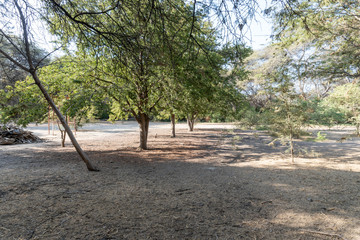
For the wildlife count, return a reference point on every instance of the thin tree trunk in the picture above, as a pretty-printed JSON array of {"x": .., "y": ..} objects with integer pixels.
[
  {"x": 143, "y": 122},
  {"x": 53, "y": 123},
  {"x": 191, "y": 122},
  {"x": 75, "y": 126},
  {"x": 79, "y": 150},
  {"x": 63, "y": 141},
  {"x": 173, "y": 125},
  {"x": 49, "y": 108},
  {"x": 62, "y": 133},
  {"x": 32, "y": 71},
  {"x": 357, "y": 129},
  {"x": 292, "y": 148}
]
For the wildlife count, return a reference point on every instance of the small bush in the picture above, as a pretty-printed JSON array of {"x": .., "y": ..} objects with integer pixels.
[{"x": 320, "y": 137}]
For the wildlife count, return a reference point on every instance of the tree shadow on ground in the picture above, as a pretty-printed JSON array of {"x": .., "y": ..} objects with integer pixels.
[{"x": 160, "y": 194}]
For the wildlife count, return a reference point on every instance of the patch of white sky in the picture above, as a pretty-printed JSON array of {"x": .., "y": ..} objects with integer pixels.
[
  {"x": 245, "y": 24},
  {"x": 37, "y": 29},
  {"x": 260, "y": 29},
  {"x": 41, "y": 34}
]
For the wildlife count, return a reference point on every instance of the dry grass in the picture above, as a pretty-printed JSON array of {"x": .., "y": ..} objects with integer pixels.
[{"x": 210, "y": 184}]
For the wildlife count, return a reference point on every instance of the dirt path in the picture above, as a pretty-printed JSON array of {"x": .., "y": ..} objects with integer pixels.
[{"x": 210, "y": 184}]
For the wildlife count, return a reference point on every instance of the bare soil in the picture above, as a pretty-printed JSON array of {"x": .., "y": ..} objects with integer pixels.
[{"x": 209, "y": 184}]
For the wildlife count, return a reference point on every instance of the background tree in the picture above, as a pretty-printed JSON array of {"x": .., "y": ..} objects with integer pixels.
[
  {"x": 286, "y": 116},
  {"x": 23, "y": 95},
  {"x": 346, "y": 99},
  {"x": 18, "y": 12},
  {"x": 62, "y": 78},
  {"x": 331, "y": 29},
  {"x": 130, "y": 58},
  {"x": 230, "y": 98},
  {"x": 9, "y": 71},
  {"x": 273, "y": 90}
]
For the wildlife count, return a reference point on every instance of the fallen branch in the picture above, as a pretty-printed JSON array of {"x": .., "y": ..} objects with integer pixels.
[{"x": 14, "y": 135}]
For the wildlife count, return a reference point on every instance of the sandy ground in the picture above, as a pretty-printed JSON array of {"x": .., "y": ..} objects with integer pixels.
[{"x": 214, "y": 183}]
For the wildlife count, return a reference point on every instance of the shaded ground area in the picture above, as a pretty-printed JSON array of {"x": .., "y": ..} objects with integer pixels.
[{"x": 210, "y": 184}]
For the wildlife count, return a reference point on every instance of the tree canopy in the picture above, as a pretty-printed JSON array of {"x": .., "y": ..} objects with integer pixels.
[{"x": 154, "y": 59}]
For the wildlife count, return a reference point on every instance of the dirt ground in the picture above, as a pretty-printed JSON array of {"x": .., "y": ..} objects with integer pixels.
[{"x": 213, "y": 183}]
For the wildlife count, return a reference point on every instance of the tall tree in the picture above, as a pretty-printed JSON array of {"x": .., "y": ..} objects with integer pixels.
[
  {"x": 19, "y": 11},
  {"x": 133, "y": 45},
  {"x": 273, "y": 88}
]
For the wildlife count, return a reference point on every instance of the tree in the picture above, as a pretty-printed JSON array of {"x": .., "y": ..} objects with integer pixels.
[
  {"x": 332, "y": 29},
  {"x": 19, "y": 9},
  {"x": 23, "y": 95},
  {"x": 278, "y": 98},
  {"x": 230, "y": 99},
  {"x": 10, "y": 72},
  {"x": 287, "y": 115},
  {"x": 346, "y": 99},
  {"x": 11, "y": 107},
  {"x": 139, "y": 38},
  {"x": 199, "y": 88},
  {"x": 63, "y": 78},
  {"x": 132, "y": 52}
]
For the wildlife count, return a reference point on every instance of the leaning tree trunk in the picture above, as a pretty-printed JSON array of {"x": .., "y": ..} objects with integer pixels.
[
  {"x": 191, "y": 122},
  {"x": 32, "y": 71},
  {"x": 82, "y": 154},
  {"x": 143, "y": 121},
  {"x": 173, "y": 125}
]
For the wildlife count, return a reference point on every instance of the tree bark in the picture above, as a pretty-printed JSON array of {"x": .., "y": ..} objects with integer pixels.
[
  {"x": 79, "y": 150},
  {"x": 143, "y": 121},
  {"x": 292, "y": 148},
  {"x": 173, "y": 125},
  {"x": 63, "y": 133},
  {"x": 191, "y": 122}
]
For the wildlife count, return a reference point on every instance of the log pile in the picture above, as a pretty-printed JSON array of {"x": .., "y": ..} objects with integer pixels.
[{"x": 14, "y": 135}]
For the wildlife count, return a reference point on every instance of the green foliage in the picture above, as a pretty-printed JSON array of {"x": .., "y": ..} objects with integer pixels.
[
  {"x": 320, "y": 137},
  {"x": 17, "y": 103},
  {"x": 274, "y": 94},
  {"x": 288, "y": 115},
  {"x": 321, "y": 113},
  {"x": 152, "y": 59},
  {"x": 251, "y": 118},
  {"x": 346, "y": 100},
  {"x": 135, "y": 48},
  {"x": 22, "y": 104},
  {"x": 331, "y": 29},
  {"x": 64, "y": 80}
]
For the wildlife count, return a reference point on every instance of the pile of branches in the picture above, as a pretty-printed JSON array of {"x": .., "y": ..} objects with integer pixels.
[{"x": 14, "y": 135}]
